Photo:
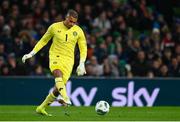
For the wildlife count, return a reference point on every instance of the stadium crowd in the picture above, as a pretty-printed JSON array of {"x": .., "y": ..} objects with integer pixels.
[{"x": 126, "y": 38}]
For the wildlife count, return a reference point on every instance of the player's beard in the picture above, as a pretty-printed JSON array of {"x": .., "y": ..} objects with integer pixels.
[{"x": 67, "y": 25}]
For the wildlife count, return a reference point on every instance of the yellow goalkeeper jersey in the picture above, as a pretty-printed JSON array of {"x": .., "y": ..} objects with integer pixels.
[{"x": 63, "y": 42}]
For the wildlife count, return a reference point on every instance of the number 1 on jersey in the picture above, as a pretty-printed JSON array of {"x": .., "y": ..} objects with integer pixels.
[{"x": 66, "y": 37}]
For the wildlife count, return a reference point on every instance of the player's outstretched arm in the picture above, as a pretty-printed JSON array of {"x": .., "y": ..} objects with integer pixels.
[
  {"x": 42, "y": 42},
  {"x": 83, "y": 54}
]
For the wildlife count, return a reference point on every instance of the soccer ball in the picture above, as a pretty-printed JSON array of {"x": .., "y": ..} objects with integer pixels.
[{"x": 102, "y": 107}]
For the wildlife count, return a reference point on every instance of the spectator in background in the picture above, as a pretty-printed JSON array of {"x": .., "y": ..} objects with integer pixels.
[
  {"x": 155, "y": 36},
  {"x": 15, "y": 12},
  {"x": 106, "y": 67},
  {"x": 113, "y": 59},
  {"x": 1, "y": 23},
  {"x": 89, "y": 69},
  {"x": 12, "y": 64},
  {"x": 178, "y": 59},
  {"x": 6, "y": 38},
  {"x": 119, "y": 24},
  {"x": 5, "y": 71},
  {"x": 2, "y": 50},
  {"x": 38, "y": 71},
  {"x": 45, "y": 19},
  {"x": 110, "y": 45},
  {"x": 150, "y": 74},
  {"x": 87, "y": 19},
  {"x": 132, "y": 19},
  {"x": 102, "y": 23},
  {"x": 91, "y": 46},
  {"x": 13, "y": 24},
  {"x": 53, "y": 14},
  {"x": 101, "y": 49},
  {"x": 167, "y": 55},
  {"x": 122, "y": 55},
  {"x": 113, "y": 27},
  {"x": 176, "y": 35},
  {"x": 14, "y": 67},
  {"x": 1, "y": 62},
  {"x": 174, "y": 68},
  {"x": 133, "y": 49},
  {"x": 146, "y": 44},
  {"x": 31, "y": 64},
  {"x": 19, "y": 47},
  {"x": 123, "y": 68},
  {"x": 5, "y": 8},
  {"x": 129, "y": 36},
  {"x": 97, "y": 69},
  {"x": 140, "y": 66},
  {"x": 167, "y": 41},
  {"x": 156, "y": 50},
  {"x": 177, "y": 49},
  {"x": 155, "y": 68},
  {"x": 164, "y": 71}
]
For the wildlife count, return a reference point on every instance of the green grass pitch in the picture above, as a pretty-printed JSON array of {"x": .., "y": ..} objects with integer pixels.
[{"x": 23, "y": 113}]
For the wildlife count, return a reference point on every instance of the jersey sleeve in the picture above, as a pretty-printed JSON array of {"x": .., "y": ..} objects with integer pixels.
[
  {"x": 82, "y": 46},
  {"x": 44, "y": 40}
]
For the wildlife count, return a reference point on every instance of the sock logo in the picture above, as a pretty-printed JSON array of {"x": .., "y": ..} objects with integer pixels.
[{"x": 60, "y": 89}]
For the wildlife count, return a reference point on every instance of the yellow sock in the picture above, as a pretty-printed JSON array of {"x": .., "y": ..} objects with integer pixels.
[
  {"x": 49, "y": 99},
  {"x": 61, "y": 88}
]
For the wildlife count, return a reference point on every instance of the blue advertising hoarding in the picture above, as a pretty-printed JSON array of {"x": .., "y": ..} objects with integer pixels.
[{"x": 87, "y": 91}]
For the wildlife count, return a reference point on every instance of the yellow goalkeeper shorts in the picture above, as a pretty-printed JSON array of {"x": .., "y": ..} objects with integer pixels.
[{"x": 65, "y": 68}]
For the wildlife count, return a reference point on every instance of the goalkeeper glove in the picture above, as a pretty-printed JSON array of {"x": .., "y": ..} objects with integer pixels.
[
  {"x": 27, "y": 56},
  {"x": 81, "y": 69}
]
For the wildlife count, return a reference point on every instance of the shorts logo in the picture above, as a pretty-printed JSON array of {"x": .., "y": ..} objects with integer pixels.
[
  {"x": 74, "y": 33},
  {"x": 54, "y": 62}
]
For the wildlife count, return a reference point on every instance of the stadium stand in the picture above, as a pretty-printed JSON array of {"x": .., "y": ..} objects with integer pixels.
[{"x": 126, "y": 38}]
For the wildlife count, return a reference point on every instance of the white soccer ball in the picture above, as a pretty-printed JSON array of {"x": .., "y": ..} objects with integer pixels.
[{"x": 102, "y": 107}]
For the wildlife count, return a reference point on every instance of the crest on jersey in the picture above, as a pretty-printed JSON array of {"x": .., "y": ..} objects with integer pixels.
[
  {"x": 74, "y": 33},
  {"x": 54, "y": 62}
]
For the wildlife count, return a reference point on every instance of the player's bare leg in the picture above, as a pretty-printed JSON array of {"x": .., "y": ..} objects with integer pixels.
[
  {"x": 49, "y": 99},
  {"x": 61, "y": 88}
]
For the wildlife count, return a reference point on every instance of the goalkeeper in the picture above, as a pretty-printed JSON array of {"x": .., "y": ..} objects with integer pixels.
[{"x": 64, "y": 36}]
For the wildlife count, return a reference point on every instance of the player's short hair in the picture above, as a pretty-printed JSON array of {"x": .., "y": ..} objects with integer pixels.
[{"x": 72, "y": 13}]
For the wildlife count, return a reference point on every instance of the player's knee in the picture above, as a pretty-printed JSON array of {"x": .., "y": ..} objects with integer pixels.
[{"x": 57, "y": 73}]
